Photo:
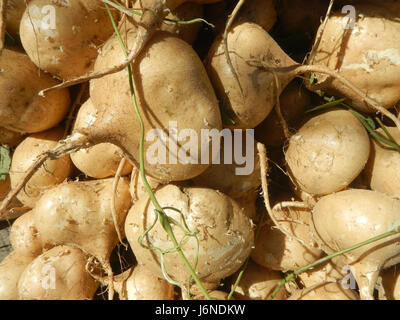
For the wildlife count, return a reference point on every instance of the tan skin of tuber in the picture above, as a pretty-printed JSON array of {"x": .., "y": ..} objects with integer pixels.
[
  {"x": 358, "y": 215},
  {"x": 138, "y": 283},
  {"x": 258, "y": 283},
  {"x": 160, "y": 86},
  {"x": 247, "y": 41},
  {"x": 24, "y": 236},
  {"x": 11, "y": 269},
  {"x": 22, "y": 109},
  {"x": 371, "y": 65},
  {"x": 290, "y": 250},
  {"x": 83, "y": 215},
  {"x": 382, "y": 170},
  {"x": 71, "y": 280},
  {"x": 328, "y": 152},
  {"x": 262, "y": 71},
  {"x": 224, "y": 232},
  {"x": 57, "y": 50},
  {"x": 102, "y": 160},
  {"x": 52, "y": 173}
]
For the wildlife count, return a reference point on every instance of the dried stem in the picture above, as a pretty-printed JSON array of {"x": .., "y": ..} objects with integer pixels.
[
  {"x": 225, "y": 39},
  {"x": 320, "y": 32},
  {"x": 264, "y": 184},
  {"x": 114, "y": 191},
  {"x": 278, "y": 110}
]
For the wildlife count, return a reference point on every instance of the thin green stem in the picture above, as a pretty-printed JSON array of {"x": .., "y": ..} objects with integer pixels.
[
  {"x": 331, "y": 256},
  {"x": 390, "y": 137},
  {"x": 238, "y": 279},
  {"x": 163, "y": 217},
  {"x": 373, "y": 133},
  {"x": 326, "y": 105}
]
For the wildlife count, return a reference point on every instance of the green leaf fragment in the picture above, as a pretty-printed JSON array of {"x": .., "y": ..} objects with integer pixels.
[
  {"x": 371, "y": 123},
  {"x": 5, "y": 161}
]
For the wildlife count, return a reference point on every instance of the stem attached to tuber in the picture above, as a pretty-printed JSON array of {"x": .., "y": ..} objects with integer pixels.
[{"x": 164, "y": 220}]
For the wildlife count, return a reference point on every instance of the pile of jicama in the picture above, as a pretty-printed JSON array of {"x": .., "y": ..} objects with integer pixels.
[{"x": 107, "y": 108}]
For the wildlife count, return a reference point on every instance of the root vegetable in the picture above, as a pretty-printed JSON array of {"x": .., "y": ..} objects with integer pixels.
[
  {"x": 24, "y": 237},
  {"x": 22, "y": 110},
  {"x": 277, "y": 251},
  {"x": 102, "y": 160},
  {"x": 346, "y": 218},
  {"x": 258, "y": 283},
  {"x": 79, "y": 213},
  {"x": 224, "y": 232},
  {"x": 141, "y": 284},
  {"x": 166, "y": 92},
  {"x": 261, "y": 70},
  {"x": 11, "y": 269},
  {"x": 371, "y": 65},
  {"x": 382, "y": 170},
  {"x": 328, "y": 152},
  {"x": 65, "y": 40},
  {"x": 52, "y": 172},
  {"x": 58, "y": 274},
  {"x": 185, "y": 12},
  {"x": 247, "y": 41}
]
